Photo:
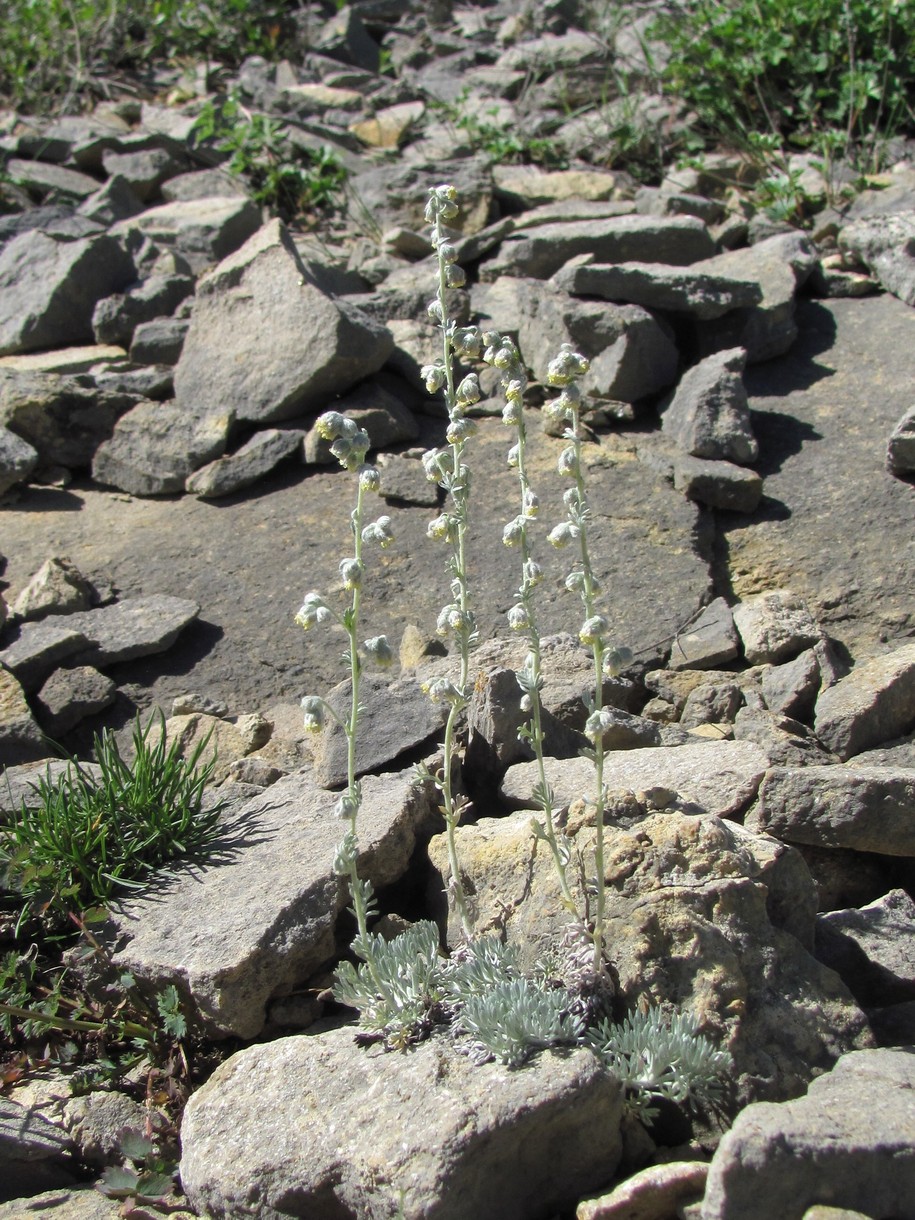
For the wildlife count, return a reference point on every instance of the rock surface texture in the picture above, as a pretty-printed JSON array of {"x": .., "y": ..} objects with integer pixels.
[{"x": 167, "y": 497}]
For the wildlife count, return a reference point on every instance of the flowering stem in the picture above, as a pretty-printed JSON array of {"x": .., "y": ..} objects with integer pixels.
[
  {"x": 351, "y": 622},
  {"x": 506, "y": 357},
  {"x": 588, "y": 594}
]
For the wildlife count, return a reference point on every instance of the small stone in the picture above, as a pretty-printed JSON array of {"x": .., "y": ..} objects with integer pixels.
[
  {"x": 17, "y": 460},
  {"x": 135, "y": 627},
  {"x": 41, "y": 647},
  {"x": 900, "y": 453},
  {"x": 416, "y": 648},
  {"x": 21, "y": 740},
  {"x": 254, "y": 731},
  {"x": 194, "y": 701},
  {"x": 709, "y": 415},
  {"x": 712, "y": 703},
  {"x": 709, "y": 640},
  {"x": 652, "y": 1194},
  {"x": 718, "y": 484},
  {"x": 70, "y": 695},
  {"x": 403, "y": 481},
  {"x": 257, "y": 458},
  {"x": 58, "y": 587},
  {"x": 872, "y": 948},
  {"x": 775, "y": 626}
]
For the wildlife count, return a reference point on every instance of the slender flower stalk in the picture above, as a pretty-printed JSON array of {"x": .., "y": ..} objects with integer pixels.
[
  {"x": 350, "y": 445},
  {"x": 502, "y": 353},
  {"x": 447, "y": 467},
  {"x": 563, "y": 372}
]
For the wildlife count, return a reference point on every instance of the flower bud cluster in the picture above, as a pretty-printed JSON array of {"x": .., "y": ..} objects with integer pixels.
[
  {"x": 350, "y": 443},
  {"x": 313, "y": 610},
  {"x": 379, "y": 531},
  {"x": 314, "y": 713},
  {"x": 567, "y": 366}
]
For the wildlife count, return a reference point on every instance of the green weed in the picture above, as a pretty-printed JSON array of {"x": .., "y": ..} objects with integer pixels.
[
  {"x": 287, "y": 179},
  {"x": 81, "y": 841},
  {"x": 795, "y": 71}
]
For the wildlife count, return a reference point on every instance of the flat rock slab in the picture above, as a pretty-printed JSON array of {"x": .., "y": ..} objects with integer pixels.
[
  {"x": 264, "y": 551},
  {"x": 659, "y": 286},
  {"x": 40, "y": 648},
  {"x": 884, "y": 244},
  {"x": 156, "y": 446},
  {"x": 872, "y": 948},
  {"x": 135, "y": 627},
  {"x": 540, "y": 252},
  {"x": 256, "y": 458},
  {"x": 832, "y": 1146},
  {"x": 719, "y": 777},
  {"x": 822, "y": 416},
  {"x": 863, "y": 808},
  {"x": 319, "y": 1127},
  {"x": 202, "y": 230},
  {"x": 260, "y": 918}
]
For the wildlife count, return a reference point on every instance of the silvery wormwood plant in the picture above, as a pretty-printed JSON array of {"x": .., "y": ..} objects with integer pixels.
[
  {"x": 564, "y": 372},
  {"x": 447, "y": 467},
  {"x": 349, "y": 445}
]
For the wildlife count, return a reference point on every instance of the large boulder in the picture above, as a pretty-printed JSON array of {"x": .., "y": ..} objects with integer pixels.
[
  {"x": 320, "y": 1127},
  {"x": 49, "y": 288},
  {"x": 266, "y": 342},
  {"x": 701, "y": 917},
  {"x": 848, "y": 1143},
  {"x": 259, "y": 918}
]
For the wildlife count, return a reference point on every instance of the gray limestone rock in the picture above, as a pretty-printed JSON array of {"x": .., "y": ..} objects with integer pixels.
[
  {"x": 203, "y": 184},
  {"x": 775, "y": 626},
  {"x": 40, "y": 647},
  {"x": 884, "y": 244},
  {"x": 865, "y": 808},
  {"x": 135, "y": 627},
  {"x": 21, "y": 740},
  {"x": 40, "y": 178},
  {"x": 792, "y": 688},
  {"x": 145, "y": 169},
  {"x": 229, "y": 941},
  {"x": 718, "y": 484},
  {"x": 711, "y": 703},
  {"x": 708, "y": 641},
  {"x": 202, "y": 230},
  {"x": 251, "y": 462},
  {"x": 652, "y": 1193},
  {"x": 541, "y": 252},
  {"x": 872, "y": 948},
  {"x": 691, "y": 910},
  {"x": 115, "y": 201},
  {"x": 900, "y": 450},
  {"x": 95, "y": 1122},
  {"x": 35, "y": 1155},
  {"x": 785, "y": 742},
  {"x": 494, "y": 718},
  {"x": 363, "y": 1131},
  {"x": 17, "y": 460},
  {"x": 265, "y": 342},
  {"x": 159, "y": 341},
  {"x": 709, "y": 415},
  {"x": 396, "y": 717},
  {"x": 58, "y": 587},
  {"x": 873, "y": 704},
  {"x": 779, "y": 265},
  {"x": 115, "y": 318},
  {"x": 65, "y": 418},
  {"x": 659, "y": 286},
  {"x": 49, "y": 288},
  {"x": 70, "y": 695},
  {"x": 719, "y": 777},
  {"x": 827, "y": 1147},
  {"x": 632, "y": 354},
  {"x": 156, "y": 445},
  {"x": 78, "y": 1203}
]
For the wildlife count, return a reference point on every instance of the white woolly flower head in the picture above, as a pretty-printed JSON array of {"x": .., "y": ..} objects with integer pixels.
[
  {"x": 443, "y": 690},
  {"x": 378, "y": 649},
  {"x": 518, "y": 618},
  {"x": 511, "y": 413},
  {"x": 513, "y": 533},
  {"x": 467, "y": 342},
  {"x": 593, "y": 629},
  {"x": 598, "y": 723},
  {"x": 313, "y": 610},
  {"x": 562, "y": 534},
  {"x": 433, "y": 376},
  {"x": 314, "y": 713},
  {"x": 566, "y": 366},
  {"x": 442, "y": 203},
  {"x": 370, "y": 478},
  {"x": 351, "y": 573},
  {"x": 616, "y": 660},
  {"x": 379, "y": 531}
]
